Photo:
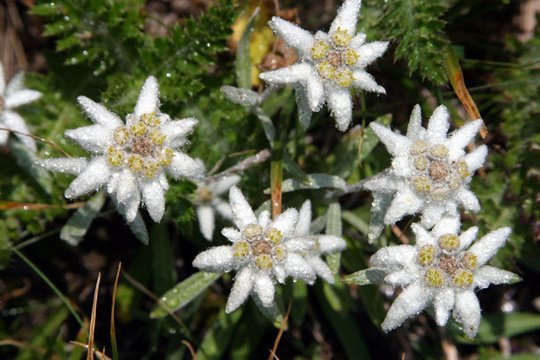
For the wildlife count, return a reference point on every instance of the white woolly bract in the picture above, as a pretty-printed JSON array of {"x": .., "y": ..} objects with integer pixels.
[
  {"x": 430, "y": 171},
  {"x": 442, "y": 270},
  {"x": 125, "y": 155},
  {"x": 12, "y": 96},
  {"x": 329, "y": 66}
]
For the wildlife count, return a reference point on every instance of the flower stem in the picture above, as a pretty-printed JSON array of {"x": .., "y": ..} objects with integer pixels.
[{"x": 276, "y": 178}]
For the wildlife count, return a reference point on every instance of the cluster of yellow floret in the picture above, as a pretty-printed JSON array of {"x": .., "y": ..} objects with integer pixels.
[
  {"x": 335, "y": 58},
  {"x": 446, "y": 265},
  {"x": 436, "y": 175},
  {"x": 263, "y": 248},
  {"x": 140, "y": 147}
]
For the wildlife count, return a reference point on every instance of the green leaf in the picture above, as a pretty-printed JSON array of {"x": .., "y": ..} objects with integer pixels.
[
  {"x": 184, "y": 292},
  {"x": 366, "y": 277},
  {"x": 343, "y": 323},
  {"x": 138, "y": 228},
  {"x": 496, "y": 326},
  {"x": 356, "y": 221},
  {"x": 334, "y": 227},
  {"x": 243, "y": 59},
  {"x": 76, "y": 227},
  {"x": 217, "y": 339},
  {"x": 26, "y": 160},
  {"x": 244, "y": 97},
  {"x": 313, "y": 182},
  {"x": 163, "y": 272}
]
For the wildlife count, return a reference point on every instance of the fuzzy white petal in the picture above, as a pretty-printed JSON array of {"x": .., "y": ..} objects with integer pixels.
[
  {"x": 15, "y": 84},
  {"x": 183, "y": 165},
  {"x": 409, "y": 303},
  {"x": 21, "y": 97},
  {"x": 358, "y": 40},
  {"x": 447, "y": 225},
  {"x": 487, "y": 275},
  {"x": 394, "y": 142},
  {"x": 94, "y": 138},
  {"x": 177, "y": 130},
  {"x": 423, "y": 237},
  {"x": 488, "y": 245},
  {"x": 405, "y": 202},
  {"x": 154, "y": 198},
  {"x": 224, "y": 184},
  {"x": 321, "y": 269},
  {"x": 400, "y": 278},
  {"x": 383, "y": 183},
  {"x": 205, "y": 215},
  {"x": 467, "y": 237},
  {"x": 91, "y": 179},
  {"x": 468, "y": 199},
  {"x": 240, "y": 290},
  {"x": 365, "y": 81},
  {"x": 443, "y": 304},
  {"x": 415, "y": 122},
  {"x": 304, "y": 219},
  {"x": 293, "y": 35},
  {"x": 279, "y": 273},
  {"x": 216, "y": 259},
  {"x": 432, "y": 213},
  {"x": 264, "y": 218},
  {"x": 223, "y": 208},
  {"x": 438, "y": 125},
  {"x": 330, "y": 244},
  {"x": 299, "y": 244},
  {"x": 476, "y": 158},
  {"x": 264, "y": 288},
  {"x": 285, "y": 222},
  {"x": 14, "y": 121},
  {"x": 346, "y": 17},
  {"x": 131, "y": 205},
  {"x": 340, "y": 105},
  {"x": 393, "y": 256},
  {"x": 148, "y": 100},
  {"x": 467, "y": 312},
  {"x": 315, "y": 91},
  {"x": 99, "y": 114},
  {"x": 231, "y": 234},
  {"x": 369, "y": 52},
  {"x": 242, "y": 211},
  {"x": 288, "y": 75},
  {"x": 64, "y": 165},
  {"x": 297, "y": 267},
  {"x": 461, "y": 138}
]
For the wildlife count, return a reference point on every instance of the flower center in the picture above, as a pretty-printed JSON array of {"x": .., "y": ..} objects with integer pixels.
[
  {"x": 203, "y": 195},
  {"x": 334, "y": 59},
  {"x": 140, "y": 147},
  {"x": 444, "y": 265},
  {"x": 262, "y": 249},
  {"x": 435, "y": 175}
]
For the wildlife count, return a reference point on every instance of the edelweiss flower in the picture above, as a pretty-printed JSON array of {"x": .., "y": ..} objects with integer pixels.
[
  {"x": 262, "y": 252},
  {"x": 441, "y": 269},
  {"x": 208, "y": 202},
  {"x": 322, "y": 244},
  {"x": 430, "y": 172},
  {"x": 11, "y": 96},
  {"x": 130, "y": 159},
  {"x": 329, "y": 65}
]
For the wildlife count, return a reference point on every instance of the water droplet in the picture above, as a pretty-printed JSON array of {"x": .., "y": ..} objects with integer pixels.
[{"x": 168, "y": 75}]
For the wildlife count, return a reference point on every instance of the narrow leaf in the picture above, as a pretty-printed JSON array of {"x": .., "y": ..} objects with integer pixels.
[
  {"x": 184, "y": 292},
  {"x": 243, "y": 60},
  {"x": 334, "y": 227},
  {"x": 76, "y": 227},
  {"x": 365, "y": 277}
]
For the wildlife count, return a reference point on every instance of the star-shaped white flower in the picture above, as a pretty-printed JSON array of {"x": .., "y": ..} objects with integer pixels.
[
  {"x": 14, "y": 95},
  {"x": 430, "y": 172},
  {"x": 208, "y": 202},
  {"x": 130, "y": 159},
  {"x": 322, "y": 244},
  {"x": 442, "y": 269},
  {"x": 329, "y": 65},
  {"x": 263, "y": 251}
]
